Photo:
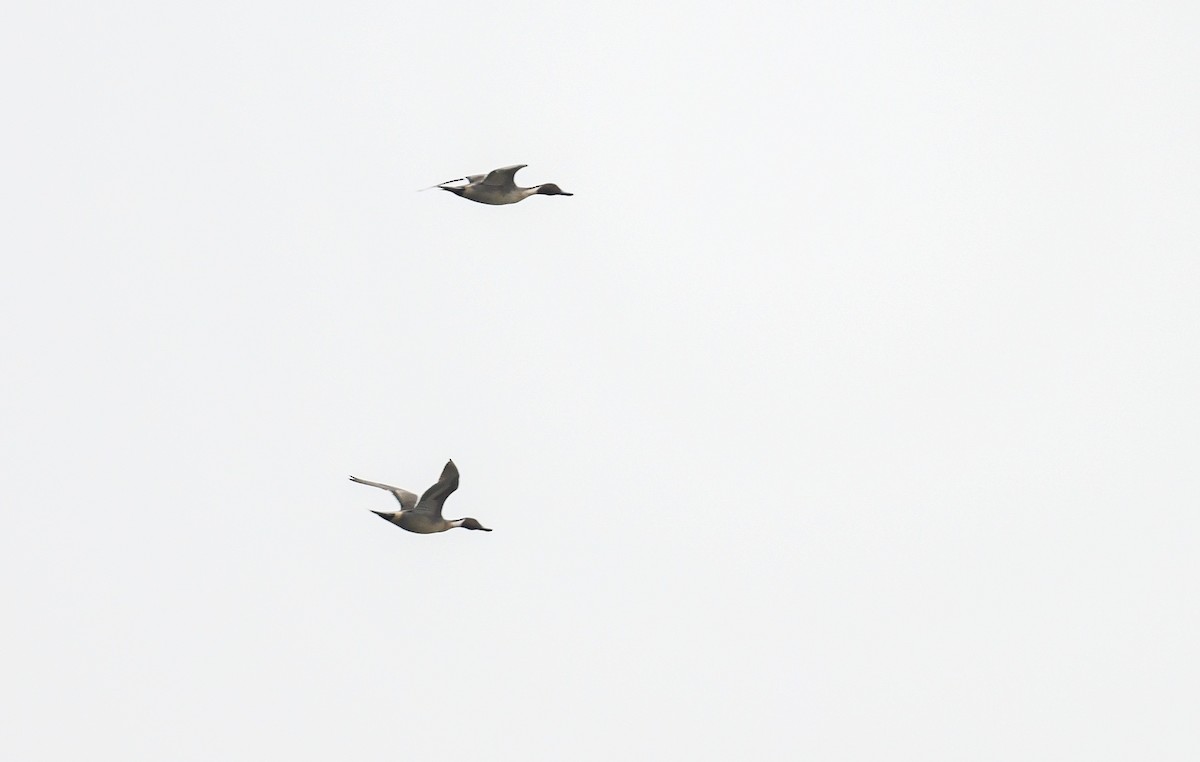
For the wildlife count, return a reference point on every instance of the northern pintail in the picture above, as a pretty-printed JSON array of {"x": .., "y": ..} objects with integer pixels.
[
  {"x": 424, "y": 516},
  {"x": 498, "y": 187}
]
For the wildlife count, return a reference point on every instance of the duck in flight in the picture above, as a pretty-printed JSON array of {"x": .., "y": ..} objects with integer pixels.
[
  {"x": 424, "y": 515},
  {"x": 498, "y": 187}
]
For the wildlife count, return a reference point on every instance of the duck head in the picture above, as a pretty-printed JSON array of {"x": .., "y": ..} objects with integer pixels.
[
  {"x": 550, "y": 189},
  {"x": 472, "y": 524}
]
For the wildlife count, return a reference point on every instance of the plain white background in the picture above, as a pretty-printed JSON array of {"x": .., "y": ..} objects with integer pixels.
[{"x": 848, "y": 411}]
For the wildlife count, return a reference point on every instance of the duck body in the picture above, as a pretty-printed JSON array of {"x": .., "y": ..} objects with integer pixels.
[
  {"x": 418, "y": 522},
  {"x": 424, "y": 515},
  {"x": 498, "y": 187}
]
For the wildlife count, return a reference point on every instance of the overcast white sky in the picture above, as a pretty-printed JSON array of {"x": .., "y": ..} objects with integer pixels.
[{"x": 848, "y": 411}]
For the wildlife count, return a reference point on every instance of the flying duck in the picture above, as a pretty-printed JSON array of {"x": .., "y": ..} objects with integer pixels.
[
  {"x": 498, "y": 187},
  {"x": 424, "y": 516}
]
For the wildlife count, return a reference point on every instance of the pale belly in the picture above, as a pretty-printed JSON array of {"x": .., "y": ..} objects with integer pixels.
[
  {"x": 496, "y": 198},
  {"x": 420, "y": 523}
]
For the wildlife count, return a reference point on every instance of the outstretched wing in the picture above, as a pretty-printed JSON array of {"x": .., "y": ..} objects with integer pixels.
[
  {"x": 431, "y": 501},
  {"x": 503, "y": 177},
  {"x": 470, "y": 180},
  {"x": 408, "y": 500}
]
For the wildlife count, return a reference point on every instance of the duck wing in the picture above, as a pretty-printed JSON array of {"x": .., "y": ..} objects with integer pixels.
[
  {"x": 408, "y": 500},
  {"x": 503, "y": 177},
  {"x": 470, "y": 180},
  {"x": 431, "y": 501}
]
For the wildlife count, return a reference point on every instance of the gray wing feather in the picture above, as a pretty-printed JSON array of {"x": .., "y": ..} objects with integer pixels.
[
  {"x": 503, "y": 177},
  {"x": 408, "y": 500},
  {"x": 431, "y": 501}
]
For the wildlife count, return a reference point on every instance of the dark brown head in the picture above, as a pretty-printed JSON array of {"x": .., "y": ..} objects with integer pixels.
[
  {"x": 473, "y": 524},
  {"x": 550, "y": 189},
  {"x": 455, "y": 189}
]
